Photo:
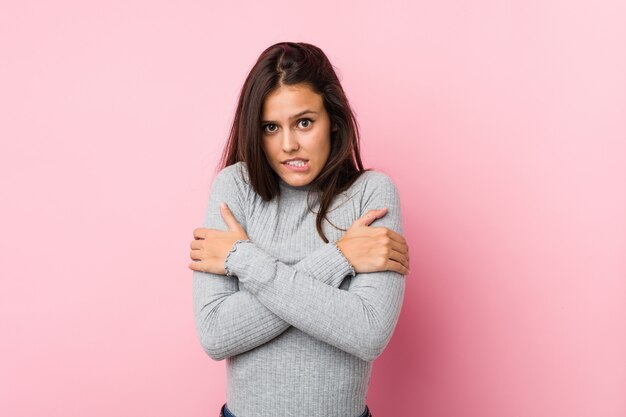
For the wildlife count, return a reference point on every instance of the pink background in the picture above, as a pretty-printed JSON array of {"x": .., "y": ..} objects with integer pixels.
[{"x": 503, "y": 124}]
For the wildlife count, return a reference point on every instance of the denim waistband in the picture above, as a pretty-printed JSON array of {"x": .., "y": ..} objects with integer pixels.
[{"x": 225, "y": 412}]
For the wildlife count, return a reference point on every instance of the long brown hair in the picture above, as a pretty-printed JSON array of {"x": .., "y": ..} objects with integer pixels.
[{"x": 289, "y": 63}]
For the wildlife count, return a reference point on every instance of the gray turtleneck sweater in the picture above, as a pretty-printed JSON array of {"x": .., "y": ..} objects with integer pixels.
[{"x": 298, "y": 328}]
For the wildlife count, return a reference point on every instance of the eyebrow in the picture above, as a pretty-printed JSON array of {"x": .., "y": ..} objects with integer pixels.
[{"x": 292, "y": 117}]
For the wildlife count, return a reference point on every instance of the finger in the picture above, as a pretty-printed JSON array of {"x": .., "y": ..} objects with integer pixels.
[
  {"x": 200, "y": 232},
  {"x": 387, "y": 244},
  {"x": 195, "y": 244},
  {"x": 195, "y": 266},
  {"x": 196, "y": 255},
  {"x": 229, "y": 217},
  {"x": 396, "y": 236},
  {"x": 397, "y": 267},
  {"x": 399, "y": 257},
  {"x": 370, "y": 216},
  {"x": 400, "y": 247}
]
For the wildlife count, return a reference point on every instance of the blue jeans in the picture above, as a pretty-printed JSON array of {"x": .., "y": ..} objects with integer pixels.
[{"x": 225, "y": 412}]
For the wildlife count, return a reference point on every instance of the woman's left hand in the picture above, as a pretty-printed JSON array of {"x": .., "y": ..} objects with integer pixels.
[{"x": 210, "y": 246}]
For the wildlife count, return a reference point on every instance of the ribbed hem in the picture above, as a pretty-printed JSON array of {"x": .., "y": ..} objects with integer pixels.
[
  {"x": 250, "y": 264},
  {"x": 345, "y": 260},
  {"x": 227, "y": 269}
]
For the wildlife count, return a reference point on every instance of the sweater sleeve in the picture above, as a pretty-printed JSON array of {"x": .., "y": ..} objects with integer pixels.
[
  {"x": 360, "y": 320},
  {"x": 230, "y": 321}
]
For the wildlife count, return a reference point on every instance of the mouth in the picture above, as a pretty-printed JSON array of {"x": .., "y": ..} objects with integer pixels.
[{"x": 297, "y": 164}]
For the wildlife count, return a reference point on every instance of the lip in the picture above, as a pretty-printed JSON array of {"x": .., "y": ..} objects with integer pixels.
[
  {"x": 303, "y": 168},
  {"x": 294, "y": 159}
]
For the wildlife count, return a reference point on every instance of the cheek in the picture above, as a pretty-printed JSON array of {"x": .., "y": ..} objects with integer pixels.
[
  {"x": 322, "y": 146},
  {"x": 326, "y": 148},
  {"x": 267, "y": 150}
]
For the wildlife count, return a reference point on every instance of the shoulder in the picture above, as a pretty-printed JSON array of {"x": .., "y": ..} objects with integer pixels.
[
  {"x": 378, "y": 190},
  {"x": 229, "y": 185},
  {"x": 237, "y": 172},
  {"x": 376, "y": 184},
  {"x": 233, "y": 180},
  {"x": 233, "y": 175},
  {"x": 374, "y": 178}
]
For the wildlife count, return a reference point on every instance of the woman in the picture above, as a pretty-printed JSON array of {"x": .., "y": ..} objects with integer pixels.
[{"x": 292, "y": 283}]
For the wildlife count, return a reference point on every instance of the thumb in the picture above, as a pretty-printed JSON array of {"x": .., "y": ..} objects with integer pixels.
[
  {"x": 370, "y": 216},
  {"x": 229, "y": 217}
]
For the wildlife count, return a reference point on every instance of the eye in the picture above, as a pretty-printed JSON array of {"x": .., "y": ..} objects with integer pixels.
[
  {"x": 265, "y": 128},
  {"x": 309, "y": 121}
]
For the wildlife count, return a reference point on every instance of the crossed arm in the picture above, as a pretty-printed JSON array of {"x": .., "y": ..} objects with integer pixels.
[
  {"x": 275, "y": 296},
  {"x": 230, "y": 321}
]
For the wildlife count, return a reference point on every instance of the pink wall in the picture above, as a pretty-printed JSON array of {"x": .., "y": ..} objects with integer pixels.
[{"x": 502, "y": 122}]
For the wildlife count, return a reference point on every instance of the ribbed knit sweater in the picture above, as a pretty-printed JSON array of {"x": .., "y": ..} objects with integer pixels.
[{"x": 298, "y": 328}]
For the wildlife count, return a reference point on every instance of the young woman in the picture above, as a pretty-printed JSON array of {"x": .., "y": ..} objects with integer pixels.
[{"x": 299, "y": 276}]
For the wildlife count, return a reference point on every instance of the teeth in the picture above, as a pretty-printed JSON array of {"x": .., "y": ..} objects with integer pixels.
[{"x": 296, "y": 163}]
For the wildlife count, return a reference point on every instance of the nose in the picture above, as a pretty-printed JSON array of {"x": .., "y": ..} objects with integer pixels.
[{"x": 290, "y": 142}]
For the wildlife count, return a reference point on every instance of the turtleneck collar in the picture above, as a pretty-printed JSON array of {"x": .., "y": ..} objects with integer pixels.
[{"x": 284, "y": 184}]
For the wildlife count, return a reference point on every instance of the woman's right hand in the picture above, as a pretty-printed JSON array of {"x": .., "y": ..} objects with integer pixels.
[{"x": 373, "y": 249}]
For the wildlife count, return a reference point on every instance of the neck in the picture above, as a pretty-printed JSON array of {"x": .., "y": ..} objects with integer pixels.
[{"x": 284, "y": 184}]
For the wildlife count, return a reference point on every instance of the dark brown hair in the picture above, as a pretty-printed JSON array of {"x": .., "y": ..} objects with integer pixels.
[{"x": 289, "y": 63}]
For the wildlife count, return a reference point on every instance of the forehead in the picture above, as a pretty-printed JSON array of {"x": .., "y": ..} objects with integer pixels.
[{"x": 291, "y": 99}]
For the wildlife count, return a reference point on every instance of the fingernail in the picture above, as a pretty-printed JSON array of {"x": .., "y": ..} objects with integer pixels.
[{"x": 223, "y": 205}]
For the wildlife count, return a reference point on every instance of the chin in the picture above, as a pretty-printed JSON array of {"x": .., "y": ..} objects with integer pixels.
[{"x": 298, "y": 183}]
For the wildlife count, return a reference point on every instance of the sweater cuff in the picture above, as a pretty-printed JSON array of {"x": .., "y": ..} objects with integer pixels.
[
  {"x": 251, "y": 265},
  {"x": 326, "y": 264},
  {"x": 228, "y": 268}
]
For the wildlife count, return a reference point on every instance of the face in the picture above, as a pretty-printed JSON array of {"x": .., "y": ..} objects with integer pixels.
[{"x": 296, "y": 133}]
